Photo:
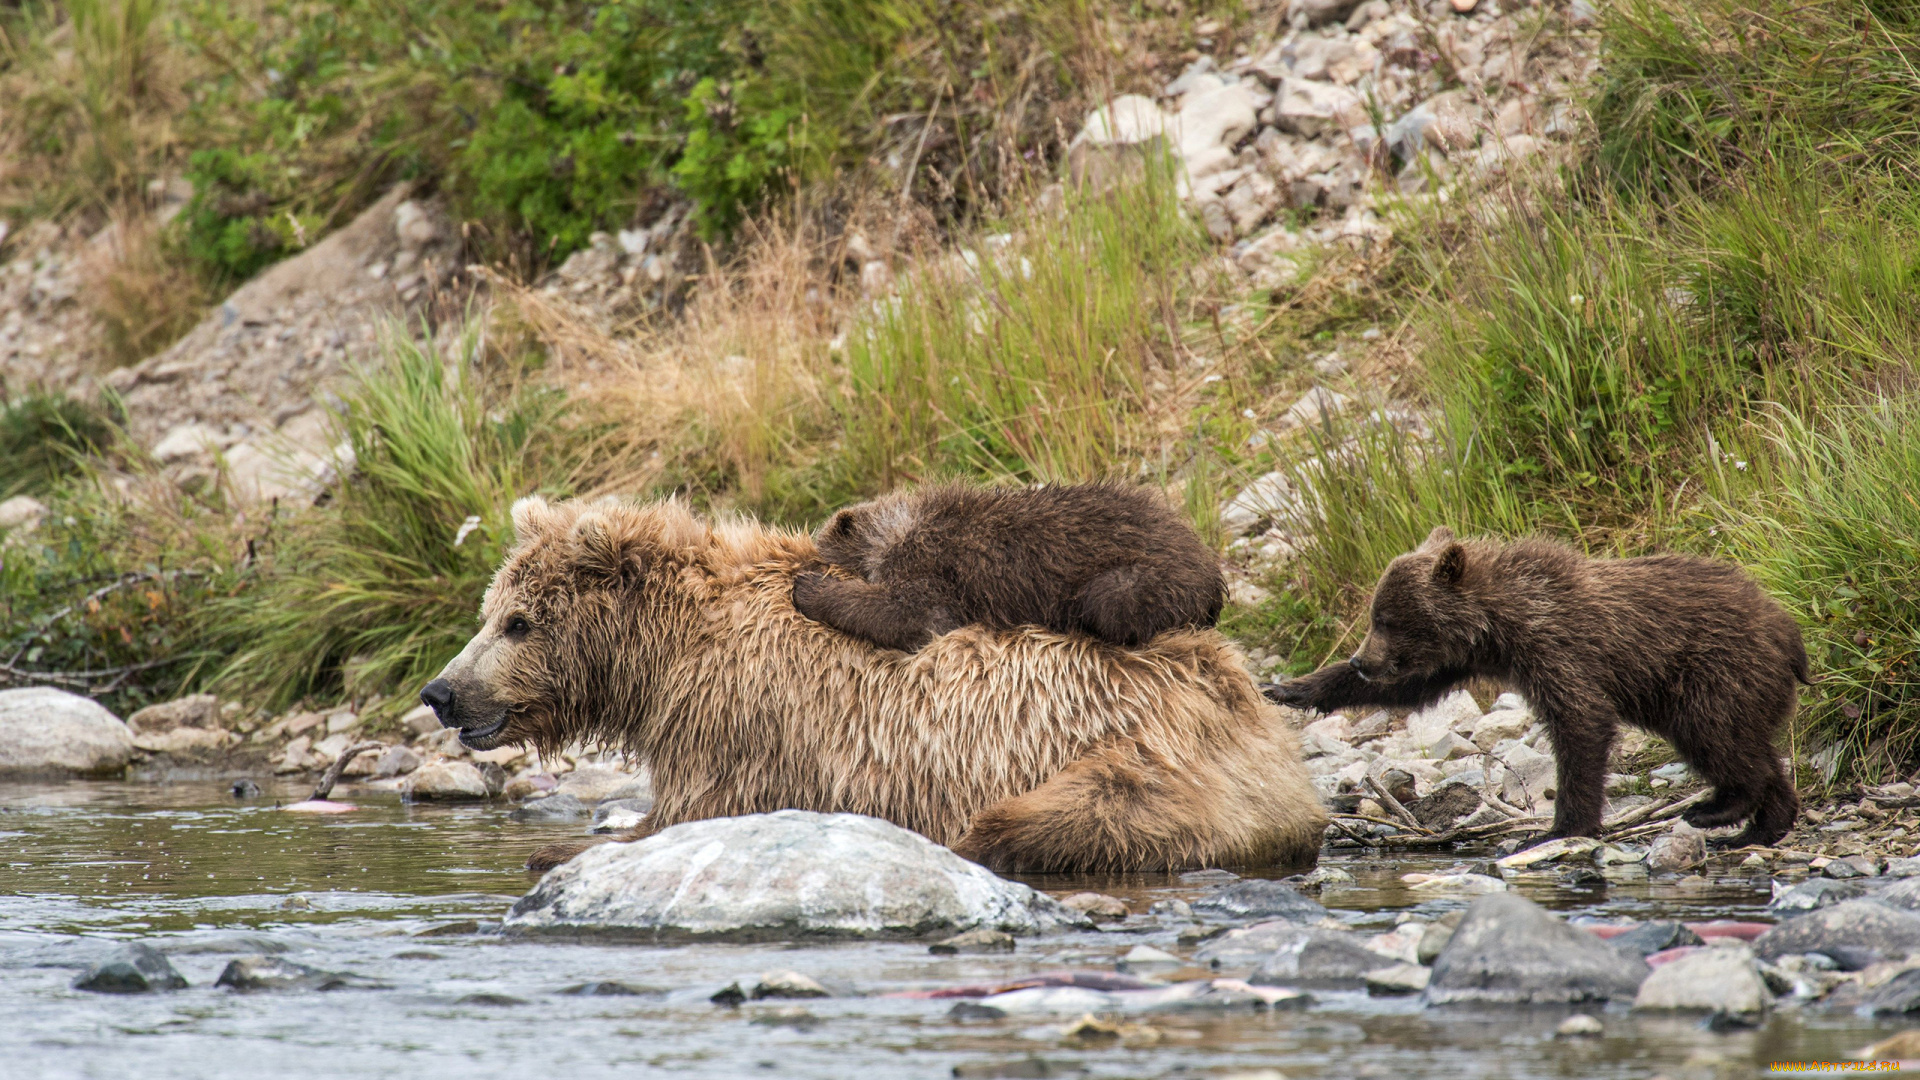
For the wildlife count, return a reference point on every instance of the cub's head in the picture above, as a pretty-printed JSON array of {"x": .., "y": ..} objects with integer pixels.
[
  {"x": 570, "y": 628},
  {"x": 1422, "y": 622},
  {"x": 857, "y": 537}
]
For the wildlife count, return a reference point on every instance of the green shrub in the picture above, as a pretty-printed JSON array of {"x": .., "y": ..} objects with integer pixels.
[
  {"x": 1024, "y": 355},
  {"x": 45, "y": 437},
  {"x": 378, "y": 590},
  {"x": 1826, "y": 515}
]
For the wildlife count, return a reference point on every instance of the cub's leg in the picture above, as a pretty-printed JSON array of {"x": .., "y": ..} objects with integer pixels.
[
  {"x": 1582, "y": 742},
  {"x": 547, "y": 856},
  {"x": 891, "y": 616},
  {"x": 1773, "y": 817},
  {"x": 1338, "y": 686},
  {"x": 1116, "y": 800},
  {"x": 1130, "y": 605}
]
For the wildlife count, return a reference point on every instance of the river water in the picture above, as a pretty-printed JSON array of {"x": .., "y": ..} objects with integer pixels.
[{"x": 402, "y": 895}]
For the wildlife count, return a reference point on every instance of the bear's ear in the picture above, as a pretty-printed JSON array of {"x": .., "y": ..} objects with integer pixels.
[
  {"x": 1449, "y": 565},
  {"x": 606, "y": 550},
  {"x": 531, "y": 516},
  {"x": 839, "y": 526},
  {"x": 1440, "y": 535}
]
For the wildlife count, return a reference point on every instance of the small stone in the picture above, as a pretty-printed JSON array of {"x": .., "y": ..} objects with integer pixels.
[
  {"x": 1462, "y": 884},
  {"x": 1147, "y": 956},
  {"x": 195, "y": 710},
  {"x": 1577, "y": 1026},
  {"x": 1398, "y": 979},
  {"x": 557, "y": 807},
  {"x": 131, "y": 969},
  {"x": 788, "y": 984},
  {"x": 1258, "y": 898},
  {"x": 396, "y": 761},
  {"x": 250, "y": 973},
  {"x": 1676, "y": 851},
  {"x": 21, "y": 512},
  {"x": 1652, "y": 937},
  {"x": 1432, "y": 940},
  {"x": 974, "y": 941},
  {"x": 594, "y": 784},
  {"x": 445, "y": 780},
  {"x": 1322, "y": 876},
  {"x": 1902, "y": 868},
  {"x": 1096, "y": 906},
  {"x": 1813, "y": 894},
  {"x": 1310, "y": 956},
  {"x": 1852, "y": 866},
  {"x": 1566, "y": 847}
]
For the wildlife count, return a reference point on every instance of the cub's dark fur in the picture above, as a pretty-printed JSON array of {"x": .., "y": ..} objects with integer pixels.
[
  {"x": 1111, "y": 560},
  {"x": 1689, "y": 649}
]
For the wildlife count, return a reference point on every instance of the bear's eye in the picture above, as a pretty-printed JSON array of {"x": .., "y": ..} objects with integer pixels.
[{"x": 518, "y": 626}]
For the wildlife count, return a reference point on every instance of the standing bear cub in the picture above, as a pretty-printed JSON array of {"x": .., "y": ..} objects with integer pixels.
[
  {"x": 1110, "y": 560},
  {"x": 1689, "y": 649}
]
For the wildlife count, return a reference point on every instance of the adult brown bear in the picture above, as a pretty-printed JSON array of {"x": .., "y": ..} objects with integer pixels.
[{"x": 644, "y": 627}]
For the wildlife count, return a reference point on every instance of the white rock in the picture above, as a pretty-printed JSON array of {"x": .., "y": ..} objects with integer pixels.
[
  {"x": 1211, "y": 121},
  {"x": 1127, "y": 120},
  {"x": 1497, "y": 727},
  {"x": 182, "y": 740},
  {"x": 1310, "y": 108},
  {"x": 21, "y": 512},
  {"x": 1427, "y": 725},
  {"x": 1531, "y": 779},
  {"x": 1315, "y": 407},
  {"x": 185, "y": 442},
  {"x": 44, "y": 730},
  {"x": 1333, "y": 727},
  {"x": 792, "y": 873},
  {"x": 1407, "y": 978},
  {"x": 449, "y": 780},
  {"x": 1271, "y": 497},
  {"x": 1565, "y": 847},
  {"x": 1719, "y": 979}
]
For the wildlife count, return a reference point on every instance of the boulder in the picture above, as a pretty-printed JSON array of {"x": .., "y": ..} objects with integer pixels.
[
  {"x": 1851, "y": 927},
  {"x": 43, "y": 730},
  {"x": 1446, "y": 806},
  {"x": 1722, "y": 980},
  {"x": 1509, "y": 950},
  {"x": 1898, "y": 996},
  {"x": 445, "y": 780},
  {"x": 131, "y": 969},
  {"x": 789, "y": 874},
  {"x": 1256, "y": 898},
  {"x": 1096, "y": 906},
  {"x": 1312, "y": 957},
  {"x": 1903, "y": 894}
]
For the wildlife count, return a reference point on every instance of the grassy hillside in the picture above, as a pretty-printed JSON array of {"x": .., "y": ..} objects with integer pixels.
[{"x": 1696, "y": 333}]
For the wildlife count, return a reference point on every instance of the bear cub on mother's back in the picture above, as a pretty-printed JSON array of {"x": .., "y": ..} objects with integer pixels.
[
  {"x": 1689, "y": 649},
  {"x": 1111, "y": 560}
]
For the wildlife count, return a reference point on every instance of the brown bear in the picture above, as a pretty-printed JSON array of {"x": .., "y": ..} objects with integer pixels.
[
  {"x": 1111, "y": 560},
  {"x": 1687, "y": 648},
  {"x": 648, "y": 629}
]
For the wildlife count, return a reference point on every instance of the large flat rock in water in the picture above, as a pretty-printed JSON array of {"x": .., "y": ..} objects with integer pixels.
[
  {"x": 790, "y": 874},
  {"x": 1509, "y": 950},
  {"x": 48, "y": 731}
]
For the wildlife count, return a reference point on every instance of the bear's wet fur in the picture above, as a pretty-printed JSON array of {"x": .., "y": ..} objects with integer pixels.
[
  {"x": 1111, "y": 560},
  {"x": 1687, "y": 648},
  {"x": 650, "y": 629}
]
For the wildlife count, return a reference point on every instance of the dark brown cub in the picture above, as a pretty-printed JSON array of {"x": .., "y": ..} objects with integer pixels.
[
  {"x": 1689, "y": 649},
  {"x": 1111, "y": 560}
]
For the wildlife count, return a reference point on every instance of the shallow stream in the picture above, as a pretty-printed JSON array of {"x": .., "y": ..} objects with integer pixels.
[{"x": 402, "y": 895}]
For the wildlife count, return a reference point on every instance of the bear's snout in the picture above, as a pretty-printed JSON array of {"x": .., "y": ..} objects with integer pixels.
[
  {"x": 438, "y": 696},
  {"x": 1359, "y": 667}
]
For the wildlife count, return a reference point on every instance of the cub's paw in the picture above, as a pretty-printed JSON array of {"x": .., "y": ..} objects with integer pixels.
[
  {"x": 1293, "y": 693},
  {"x": 809, "y": 590}
]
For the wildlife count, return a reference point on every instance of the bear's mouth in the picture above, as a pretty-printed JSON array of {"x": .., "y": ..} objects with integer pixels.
[{"x": 484, "y": 736}]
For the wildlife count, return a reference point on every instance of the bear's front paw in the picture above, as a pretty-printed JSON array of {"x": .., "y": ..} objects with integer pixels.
[{"x": 808, "y": 588}]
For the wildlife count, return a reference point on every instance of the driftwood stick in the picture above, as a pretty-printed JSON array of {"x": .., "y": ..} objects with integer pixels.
[
  {"x": 1378, "y": 821},
  {"x": 1393, "y": 804},
  {"x": 1654, "y": 813},
  {"x": 332, "y": 775},
  {"x": 1363, "y": 841}
]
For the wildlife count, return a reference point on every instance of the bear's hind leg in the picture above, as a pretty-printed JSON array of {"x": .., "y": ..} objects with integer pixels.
[
  {"x": 1725, "y": 806},
  {"x": 1774, "y": 815},
  {"x": 890, "y": 616},
  {"x": 1114, "y": 800}
]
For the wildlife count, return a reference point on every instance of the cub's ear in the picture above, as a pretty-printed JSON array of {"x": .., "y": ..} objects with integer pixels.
[
  {"x": 1449, "y": 565},
  {"x": 607, "y": 550},
  {"x": 1440, "y": 535},
  {"x": 839, "y": 526},
  {"x": 531, "y": 516}
]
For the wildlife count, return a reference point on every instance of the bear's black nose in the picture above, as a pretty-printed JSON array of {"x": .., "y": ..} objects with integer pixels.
[{"x": 437, "y": 695}]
